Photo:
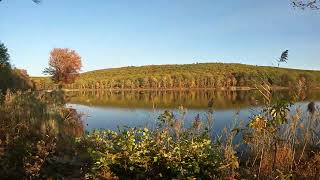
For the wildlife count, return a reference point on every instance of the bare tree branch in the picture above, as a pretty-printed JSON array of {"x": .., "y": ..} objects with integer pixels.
[
  {"x": 35, "y": 1},
  {"x": 306, "y": 4}
]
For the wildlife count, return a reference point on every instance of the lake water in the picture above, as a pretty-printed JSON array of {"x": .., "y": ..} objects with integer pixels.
[{"x": 111, "y": 109}]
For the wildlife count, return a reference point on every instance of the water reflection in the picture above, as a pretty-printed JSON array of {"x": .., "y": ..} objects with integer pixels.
[{"x": 110, "y": 109}]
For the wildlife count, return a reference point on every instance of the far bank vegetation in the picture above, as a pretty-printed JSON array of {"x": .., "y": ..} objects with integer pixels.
[{"x": 189, "y": 76}]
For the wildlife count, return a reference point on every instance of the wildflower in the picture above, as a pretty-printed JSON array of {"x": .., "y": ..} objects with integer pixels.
[{"x": 258, "y": 123}]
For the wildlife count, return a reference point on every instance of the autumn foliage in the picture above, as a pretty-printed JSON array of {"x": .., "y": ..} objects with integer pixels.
[{"x": 64, "y": 65}]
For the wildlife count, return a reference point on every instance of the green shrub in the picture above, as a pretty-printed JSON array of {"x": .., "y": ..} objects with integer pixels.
[{"x": 169, "y": 151}]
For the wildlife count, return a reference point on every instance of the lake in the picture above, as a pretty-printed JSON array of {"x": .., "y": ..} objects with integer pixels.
[{"x": 113, "y": 109}]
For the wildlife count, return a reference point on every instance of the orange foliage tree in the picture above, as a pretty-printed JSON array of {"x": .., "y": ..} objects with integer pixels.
[{"x": 64, "y": 65}]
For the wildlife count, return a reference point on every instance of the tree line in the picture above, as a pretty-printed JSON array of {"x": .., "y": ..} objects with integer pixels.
[{"x": 189, "y": 76}]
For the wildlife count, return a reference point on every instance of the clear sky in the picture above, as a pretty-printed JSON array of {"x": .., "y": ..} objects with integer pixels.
[{"x": 115, "y": 33}]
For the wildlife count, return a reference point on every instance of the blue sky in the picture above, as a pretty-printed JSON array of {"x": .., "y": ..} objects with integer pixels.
[{"x": 115, "y": 33}]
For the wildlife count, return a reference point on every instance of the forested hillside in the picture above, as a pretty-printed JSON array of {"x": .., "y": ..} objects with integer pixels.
[{"x": 203, "y": 75}]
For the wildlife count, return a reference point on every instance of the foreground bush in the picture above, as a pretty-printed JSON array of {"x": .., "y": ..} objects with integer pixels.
[
  {"x": 144, "y": 154},
  {"x": 282, "y": 143},
  {"x": 33, "y": 128}
]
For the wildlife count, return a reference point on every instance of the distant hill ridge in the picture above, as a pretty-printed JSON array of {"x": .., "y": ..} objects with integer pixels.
[
  {"x": 197, "y": 64},
  {"x": 200, "y": 75}
]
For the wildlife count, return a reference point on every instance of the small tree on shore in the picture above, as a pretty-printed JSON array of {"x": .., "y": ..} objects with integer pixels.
[
  {"x": 4, "y": 57},
  {"x": 5, "y": 68},
  {"x": 64, "y": 66}
]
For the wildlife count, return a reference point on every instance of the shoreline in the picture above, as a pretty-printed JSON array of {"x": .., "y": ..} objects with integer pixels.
[
  {"x": 174, "y": 89},
  {"x": 274, "y": 88}
]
